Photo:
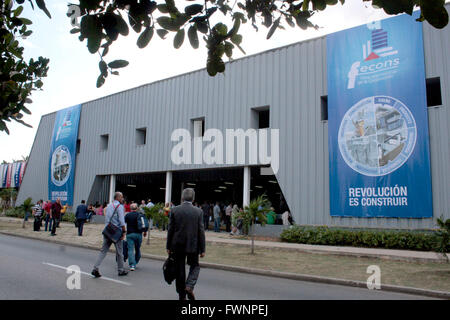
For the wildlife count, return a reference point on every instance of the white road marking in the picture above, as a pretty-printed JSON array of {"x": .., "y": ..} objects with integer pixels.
[{"x": 88, "y": 274}]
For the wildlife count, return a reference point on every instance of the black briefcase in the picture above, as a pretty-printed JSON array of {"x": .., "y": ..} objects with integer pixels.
[{"x": 169, "y": 270}]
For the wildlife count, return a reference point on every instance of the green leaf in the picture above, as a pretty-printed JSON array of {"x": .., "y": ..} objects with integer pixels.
[
  {"x": 26, "y": 21},
  {"x": 179, "y": 39},
  {"x": 91, "y": 28},
  {"x": 193, "y": 37},
  {"x": 145, "y": 37},
  {"x": 121, "y": 26},
  {"x": 19, "y": 77},
  {"x": 103, "y": 67},
  {"x": 162, "y": 33},
  {"x": 435, "y": 13},
  {"x": 193, "y": 9},
  {"x": 273, "y": 28},
  {"x": 18, "y": 11},
  {"x": 221, "y": 29},
  {"x": 75, "y": 30},
  {"x": 229, "y": 49},
  {"x": 168, "y": 23},
  {"x": 41, "y": 5},
  {"x": 100, "y": 81},
  {"x": 162, "y": 8},
  {"x": 118, "y": 64},
  {"x": 236, "y": 39},
  {"x": 201, "y": 26}
]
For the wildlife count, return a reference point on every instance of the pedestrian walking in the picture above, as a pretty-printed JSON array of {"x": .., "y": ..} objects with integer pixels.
[
  {"x": 115, "y": 214},
  {"x": 134, "y": 236},
  {"x": 216, "y": 217},
  {"x": 81, "y": 216},
  {"x": 186, "y": 240},
  {"x": 55, "y": 215}
]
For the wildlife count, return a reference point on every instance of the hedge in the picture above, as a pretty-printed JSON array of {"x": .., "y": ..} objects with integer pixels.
[
  {"x": 69, "y": 217},
  {"x": 410, "y": 240},
  {"x": 15, "y": 212}
]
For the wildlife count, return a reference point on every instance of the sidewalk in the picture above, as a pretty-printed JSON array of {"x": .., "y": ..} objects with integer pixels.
[{"x": 226, "y": 238}]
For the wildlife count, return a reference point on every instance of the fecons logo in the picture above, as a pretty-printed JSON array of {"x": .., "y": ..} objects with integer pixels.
[{"x": 379, "y": 61}]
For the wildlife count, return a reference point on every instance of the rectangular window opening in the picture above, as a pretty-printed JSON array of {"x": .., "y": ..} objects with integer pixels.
[
  {"x": 104, "y": 141},
  {"x": 260, "y": 117},
  {"x": 434, "y": 95},
  {"x": 198, "y": 127},
  {"x": 324, "y": 108},
  {"x": 78, "y": 145},
  {"x": 141, "y": 136}
]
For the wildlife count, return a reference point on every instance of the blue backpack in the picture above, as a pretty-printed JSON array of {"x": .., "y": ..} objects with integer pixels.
[{"x": 142, "y": 223}]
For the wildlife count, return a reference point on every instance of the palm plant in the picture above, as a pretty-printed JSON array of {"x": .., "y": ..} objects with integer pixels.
[
  {"x": 154, "y": 213},
  {"x": 8, "y": 196},
  {"x": 26, "y": 207},
  {"x": 255, "y": 211},
  {"x": 444, "y": 236}
]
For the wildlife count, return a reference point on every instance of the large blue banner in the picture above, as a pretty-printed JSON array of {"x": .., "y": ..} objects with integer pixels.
[
  {"x": 378, "y": 125},
  {"x": 62, "y": 155}
]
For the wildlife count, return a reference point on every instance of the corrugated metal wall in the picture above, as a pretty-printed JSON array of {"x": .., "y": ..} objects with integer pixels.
[
  {"x": 35, "y": 180},
  {"x": 290, "y": 80}
]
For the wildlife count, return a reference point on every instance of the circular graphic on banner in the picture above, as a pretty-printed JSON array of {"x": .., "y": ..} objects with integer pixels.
[
  {"x": 61, "y": 165},
  {"x": 377, "y": 135}
]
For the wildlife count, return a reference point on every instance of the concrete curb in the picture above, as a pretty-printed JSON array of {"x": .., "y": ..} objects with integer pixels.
[
  {"x": 438, "y": 259},
  {"x": 269, "y": 273}
]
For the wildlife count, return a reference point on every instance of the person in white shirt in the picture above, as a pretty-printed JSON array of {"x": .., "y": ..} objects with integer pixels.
[{"x": 285, "y": 218}]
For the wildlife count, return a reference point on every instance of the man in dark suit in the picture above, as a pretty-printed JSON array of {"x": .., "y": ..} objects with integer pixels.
[
  {"x": 186, "y": 239},
  {"x": 81, "y": 216}
]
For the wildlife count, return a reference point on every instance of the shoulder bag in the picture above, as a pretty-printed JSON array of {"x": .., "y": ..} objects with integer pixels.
[{"x": 111, "y": 231}]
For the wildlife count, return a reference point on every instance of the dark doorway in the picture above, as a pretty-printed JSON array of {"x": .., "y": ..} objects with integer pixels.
[
  {"x": 142, "y": 186},
  {"x": 223, "y": 185}
]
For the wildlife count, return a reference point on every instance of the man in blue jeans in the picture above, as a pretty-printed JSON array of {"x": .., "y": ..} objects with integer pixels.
[{"x": 134, "y": 237}]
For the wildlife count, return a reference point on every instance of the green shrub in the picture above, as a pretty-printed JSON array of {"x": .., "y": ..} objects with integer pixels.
[
  {"x": 69, "y": 217},
  {"x": 16, "y": 212},
  {"x": 409, "y": 240}
]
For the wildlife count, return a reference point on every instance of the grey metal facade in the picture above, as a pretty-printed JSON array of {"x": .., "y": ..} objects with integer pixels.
[{"x": 291, "y": 80}]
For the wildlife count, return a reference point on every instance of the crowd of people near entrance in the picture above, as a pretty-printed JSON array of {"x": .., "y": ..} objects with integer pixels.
[
  {"x": 185, "y": 236},
  {"x": 217, "y": 215}
]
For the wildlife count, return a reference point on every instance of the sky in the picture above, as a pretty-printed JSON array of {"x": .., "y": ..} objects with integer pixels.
[{"x": 73, "y": 70}]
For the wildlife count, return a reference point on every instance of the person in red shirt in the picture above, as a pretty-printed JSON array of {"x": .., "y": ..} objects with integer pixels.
[
  {"x": 55, "y": 215},
  {"x": 47, "y": 208},
  {"x": 127, "y": 206}
]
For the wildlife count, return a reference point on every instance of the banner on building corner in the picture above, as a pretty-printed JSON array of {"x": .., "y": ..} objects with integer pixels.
[
  {"x": 378, "y": 126},
  {"x": 62, "y": 155}
]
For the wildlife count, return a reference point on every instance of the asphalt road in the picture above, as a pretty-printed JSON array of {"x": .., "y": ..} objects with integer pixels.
[{"x": 33, "y": 269}]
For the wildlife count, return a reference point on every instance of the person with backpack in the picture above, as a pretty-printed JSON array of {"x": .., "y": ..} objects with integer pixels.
[{"x": 137, "y": 224}]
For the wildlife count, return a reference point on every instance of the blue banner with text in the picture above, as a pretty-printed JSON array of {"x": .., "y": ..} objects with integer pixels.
[
  {"x": 62, "y": 155},
  {"x": 378, "y": 125}
]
